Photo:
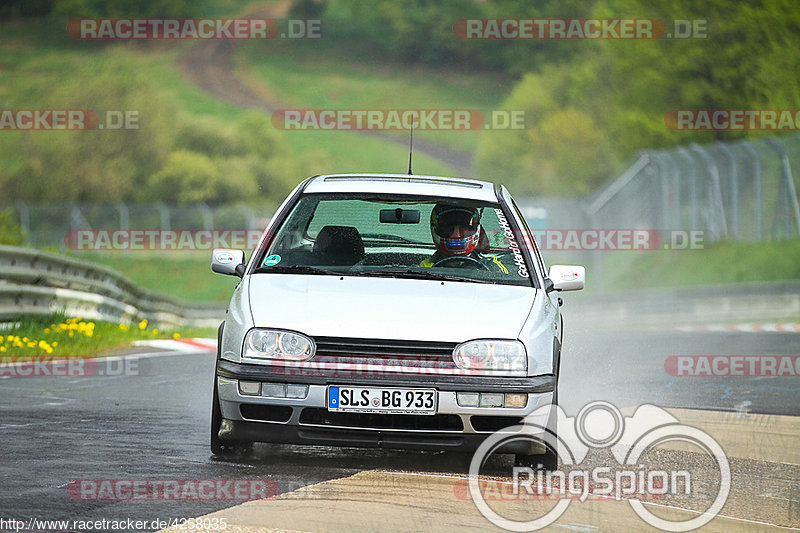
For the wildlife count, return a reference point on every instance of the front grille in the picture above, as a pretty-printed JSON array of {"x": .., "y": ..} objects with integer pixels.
[
  {"x": 493, "y": 423},
  {"x": 265, "y": 413},
  {"x": 379, "y": 348},
  {"x": 322, "y": 417}
]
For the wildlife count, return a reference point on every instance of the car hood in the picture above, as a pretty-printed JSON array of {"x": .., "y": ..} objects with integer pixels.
[{"x": 388, "y": 308}]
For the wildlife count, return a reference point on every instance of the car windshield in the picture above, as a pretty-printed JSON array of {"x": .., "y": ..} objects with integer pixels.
[{"x": 409, "y": 237}]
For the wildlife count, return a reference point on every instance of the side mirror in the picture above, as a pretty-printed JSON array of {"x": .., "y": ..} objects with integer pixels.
[
  {"x": 230, "y": 262},
  {"x": 566, "y": 278}
]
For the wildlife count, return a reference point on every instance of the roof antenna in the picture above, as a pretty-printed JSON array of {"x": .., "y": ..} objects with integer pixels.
[{"x": 410, "y": 147}]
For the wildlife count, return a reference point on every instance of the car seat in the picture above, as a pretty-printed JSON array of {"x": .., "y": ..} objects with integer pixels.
[{"x": 338, "y": 245}]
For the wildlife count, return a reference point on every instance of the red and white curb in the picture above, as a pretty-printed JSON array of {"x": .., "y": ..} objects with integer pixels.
[
  {"x": 181, "y": 345},
  {"x": 785, "y": 327}
]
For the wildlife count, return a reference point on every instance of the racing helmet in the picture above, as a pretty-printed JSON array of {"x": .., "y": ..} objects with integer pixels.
[{"x": 455, "y": 228}]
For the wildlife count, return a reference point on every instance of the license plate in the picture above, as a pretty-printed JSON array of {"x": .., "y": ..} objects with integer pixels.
[{"x": 376, "y": 400}]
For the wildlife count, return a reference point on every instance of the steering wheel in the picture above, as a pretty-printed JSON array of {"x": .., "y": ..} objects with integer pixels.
[{"x": 461, "y": 258}]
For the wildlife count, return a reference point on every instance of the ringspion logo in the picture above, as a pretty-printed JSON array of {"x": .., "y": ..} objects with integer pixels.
[{"x": 599, "y": 425}]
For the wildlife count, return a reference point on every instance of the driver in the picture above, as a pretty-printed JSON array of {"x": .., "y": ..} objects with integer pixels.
[{"x": 456, "y": 231}]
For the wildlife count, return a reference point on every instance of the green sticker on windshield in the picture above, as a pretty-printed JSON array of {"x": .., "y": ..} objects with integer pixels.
[{"x": 272, "y": 260}]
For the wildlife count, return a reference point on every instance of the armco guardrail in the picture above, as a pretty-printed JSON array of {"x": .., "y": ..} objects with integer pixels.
[
  {"x": 746, "y": 302},
  {"x": 40, "y": 283}
]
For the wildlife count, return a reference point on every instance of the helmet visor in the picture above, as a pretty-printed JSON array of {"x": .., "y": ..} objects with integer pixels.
[{"x": 461, "y": 218}]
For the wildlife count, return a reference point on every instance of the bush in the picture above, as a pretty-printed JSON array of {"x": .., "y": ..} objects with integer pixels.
[
  {"x": 190, "y": 177},
  {"x": 11, "y": 233},
  {"x": 98, "y": 165},
  {"x": 562, "y": 150}
]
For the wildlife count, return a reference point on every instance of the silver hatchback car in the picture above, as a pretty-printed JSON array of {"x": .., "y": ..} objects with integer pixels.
[{"x": 395, "y": 311}]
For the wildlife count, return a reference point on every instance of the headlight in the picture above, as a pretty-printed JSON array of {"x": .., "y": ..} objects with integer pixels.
[
  {"x": 492, "y": 356},
  {"x": 276, "y": 344}
]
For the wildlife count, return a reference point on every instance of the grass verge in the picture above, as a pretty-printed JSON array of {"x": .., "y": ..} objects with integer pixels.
[
  {"x": 298, "y": 75},
  {"x": 719, "y": 263},
  {"x": 59, "y": 336},
  {"x": 183, "y": 275}
]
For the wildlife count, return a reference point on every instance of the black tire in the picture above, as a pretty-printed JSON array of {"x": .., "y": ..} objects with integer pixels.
[
  {"x": 218, "y": 446},
  {"x": 547, "y": 461}
]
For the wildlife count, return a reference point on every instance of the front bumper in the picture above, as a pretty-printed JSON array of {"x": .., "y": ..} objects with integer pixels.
[{"x": 250, "y": 418}]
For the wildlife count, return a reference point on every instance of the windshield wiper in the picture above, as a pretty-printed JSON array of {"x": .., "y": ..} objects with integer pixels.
[
  {"x": 295, "y": 269},
  {"x": 418, "y": 274}
]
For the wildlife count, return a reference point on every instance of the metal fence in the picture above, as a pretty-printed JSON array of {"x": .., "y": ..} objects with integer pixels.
[
  {"x": 38, "y": 283},
  {"x": 742, "y": 190},
  {"x": 736, "y": 191},
  {"x": 729, "y": 190}
]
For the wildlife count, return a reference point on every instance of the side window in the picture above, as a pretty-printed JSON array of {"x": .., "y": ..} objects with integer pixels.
[{"x": 529, "y": 237}]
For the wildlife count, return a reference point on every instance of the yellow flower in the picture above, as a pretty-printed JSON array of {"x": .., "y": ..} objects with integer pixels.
[
  {"x": 143, "y": 324},
  {"x": 155, "y": 332},
  {"x": 2, "y": 348},
  {"x": 89, "y": 332},
  {"x": 32, "y": 344},
  {"x": 47, "y": 330},
  {"x": 71, "y": 333},
  {"x": 1, "y": 338},
  {"x": 176, "y": 335},
  {"x": 55, "y": 343},
  {"x": 124, "y": 327},
  {"x": 25, "y": 339}
]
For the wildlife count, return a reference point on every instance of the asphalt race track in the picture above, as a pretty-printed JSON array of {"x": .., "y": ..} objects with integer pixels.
[{"x": 153, "y": 425}]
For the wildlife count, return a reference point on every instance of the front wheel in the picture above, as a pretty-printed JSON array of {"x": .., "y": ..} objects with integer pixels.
[
  {"x": 218, "y": 446},
  {"x": 548, "y": 461}
]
